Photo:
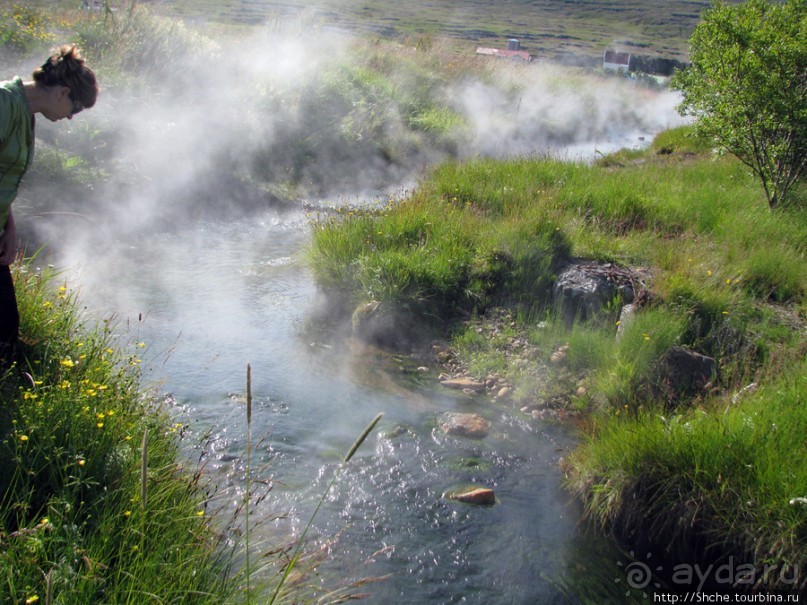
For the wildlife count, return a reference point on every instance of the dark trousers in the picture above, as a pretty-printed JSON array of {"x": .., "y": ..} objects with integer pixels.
[{"x": 9, "y": 318}]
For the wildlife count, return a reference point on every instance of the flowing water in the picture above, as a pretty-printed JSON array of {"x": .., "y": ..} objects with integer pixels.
[{"x": 209, "y": 298}]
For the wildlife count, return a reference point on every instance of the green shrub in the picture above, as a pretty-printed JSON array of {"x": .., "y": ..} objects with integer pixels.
[
  {"x": 139, "y": 48},
  {"x": 24, "y": 30}
]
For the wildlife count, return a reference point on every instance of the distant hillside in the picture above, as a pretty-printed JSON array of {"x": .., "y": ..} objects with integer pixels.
[{"x": 546, "y": 28}]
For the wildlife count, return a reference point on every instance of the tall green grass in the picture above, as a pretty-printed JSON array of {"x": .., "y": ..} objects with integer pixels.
[
  {"x": 437, "y": 256},
  {"x": 95, "y": 503},
  {"x": 731, "y": 473}
]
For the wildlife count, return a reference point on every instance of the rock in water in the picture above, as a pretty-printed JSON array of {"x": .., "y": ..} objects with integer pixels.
[
  {"x": 480, "y": 495},
  {"x": 465, "y": 425},
  {"x": 463, "y": 383}
]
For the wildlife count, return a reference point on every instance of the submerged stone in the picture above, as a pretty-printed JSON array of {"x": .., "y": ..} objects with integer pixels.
[
  {"x": 462, "y": 383},
  {"x": 465, "y": 425},
  {"x": 480, "y": 495}
]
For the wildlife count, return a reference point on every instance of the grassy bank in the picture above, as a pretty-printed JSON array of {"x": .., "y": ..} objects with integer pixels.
[
  {"x": 95, "y": 503},
  {"x": 711, "y": 473},
  {"x": 724, "y": 478}
]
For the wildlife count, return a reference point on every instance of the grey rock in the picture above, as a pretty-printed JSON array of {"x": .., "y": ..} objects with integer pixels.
[{"x": 584, "y": 288}]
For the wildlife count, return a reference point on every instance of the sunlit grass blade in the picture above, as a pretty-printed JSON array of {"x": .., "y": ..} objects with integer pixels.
[
  {"x": 248, "y": 482},
  {"x": 300, "y": 541},
  {"x": 357, "y": 444},
  {"x": 144, "y": 454}
]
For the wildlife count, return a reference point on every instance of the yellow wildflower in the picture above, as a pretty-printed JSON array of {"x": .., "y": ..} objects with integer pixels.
[
  {"x": 23, "y": 438},
  {"x": 67, "y": 362}
]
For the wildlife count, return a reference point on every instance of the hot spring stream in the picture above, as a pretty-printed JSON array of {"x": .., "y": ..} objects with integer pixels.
[{"x": 209, "y": 298}]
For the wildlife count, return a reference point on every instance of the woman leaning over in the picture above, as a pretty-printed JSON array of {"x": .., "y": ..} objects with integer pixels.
[{"x": 61, "y": 88}]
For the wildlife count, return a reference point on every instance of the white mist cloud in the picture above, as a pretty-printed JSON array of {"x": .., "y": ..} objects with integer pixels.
[
  {"x": 240, "y": 117},
  {"x": 544, "y": 108}
]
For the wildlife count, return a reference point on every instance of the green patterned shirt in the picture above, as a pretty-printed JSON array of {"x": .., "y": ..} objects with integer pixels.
[{"x": 16, "y": 142}]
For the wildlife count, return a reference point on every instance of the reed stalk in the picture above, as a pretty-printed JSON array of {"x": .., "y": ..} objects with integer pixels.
[
  {"x": 144, "y": 453},
  {"x": 248, "y": 478},
  {"x": 299, "y": 546}
]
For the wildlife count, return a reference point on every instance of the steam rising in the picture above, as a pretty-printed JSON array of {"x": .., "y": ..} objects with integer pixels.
[
  {"x": 239, "y": 127},
  {"x": 556, "y": 111}
]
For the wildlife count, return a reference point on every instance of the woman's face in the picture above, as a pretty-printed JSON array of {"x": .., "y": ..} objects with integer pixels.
[{"x": 61, "y": 104}]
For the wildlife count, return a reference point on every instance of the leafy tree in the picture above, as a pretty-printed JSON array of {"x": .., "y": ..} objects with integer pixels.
[{"x": 747, "y": 87}]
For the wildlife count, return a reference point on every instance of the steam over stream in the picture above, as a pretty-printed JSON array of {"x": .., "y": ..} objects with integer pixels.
[
  {"x": 194, "y": 239},
  {"x": 237, "y": 126}
]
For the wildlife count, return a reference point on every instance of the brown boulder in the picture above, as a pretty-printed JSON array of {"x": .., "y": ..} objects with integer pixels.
[
  {"x": 685, "y": 372},
  {"x": 465, "y": 425},
  {"x": 462, "y": 383},
  {"x": 480, "y": 495}
]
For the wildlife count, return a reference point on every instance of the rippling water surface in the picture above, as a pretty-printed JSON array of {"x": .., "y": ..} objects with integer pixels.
[{"x": 208, "y": 299}]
